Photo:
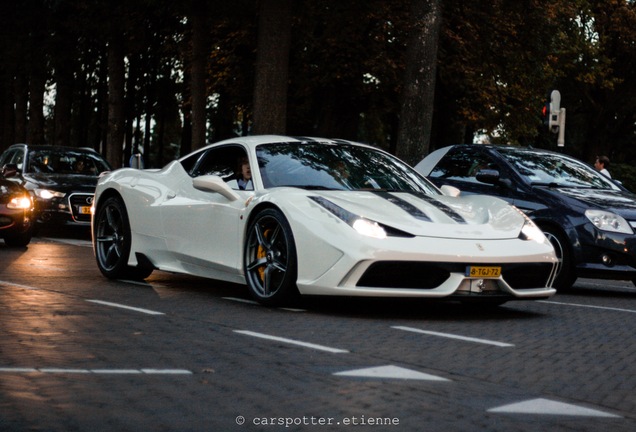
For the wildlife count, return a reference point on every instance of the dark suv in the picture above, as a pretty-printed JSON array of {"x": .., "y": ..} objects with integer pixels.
[{"x": 61, "y": 180}]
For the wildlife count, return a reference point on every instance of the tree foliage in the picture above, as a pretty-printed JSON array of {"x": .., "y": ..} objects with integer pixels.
[{"x": 346, "y": 73}]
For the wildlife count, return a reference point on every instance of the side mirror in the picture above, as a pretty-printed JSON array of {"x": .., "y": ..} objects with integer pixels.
[
  {"x": 211, "y": 183},
  {"x": 10, "y": 170},
  {"x": 489, "y": 176},
  {"x": 450, "y": 191},
  {"x": 492, "y": 176}
]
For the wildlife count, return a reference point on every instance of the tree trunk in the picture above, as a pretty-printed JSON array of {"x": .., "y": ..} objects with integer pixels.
[
  {"x": 7, "y": 117},
  {"x": 63, "y": 104},
  {"x": 116, "y": 81},
  {"x": 416, "y": 113},
  {"x": 35, "y": 128},
  {"x": 272, "y": 67},
  {"x": 198, "y": 86},
  {"x": 21, "y": 93}
]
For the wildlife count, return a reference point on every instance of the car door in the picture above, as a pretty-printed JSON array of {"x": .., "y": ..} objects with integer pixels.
[{"x": 202, "y": 227}]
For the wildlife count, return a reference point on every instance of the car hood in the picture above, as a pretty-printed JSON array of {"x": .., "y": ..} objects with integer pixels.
[
  {"x": 8, "y": 188},
  {"x": 469, "y": 217},
  {"x": 63, "y": 182},
  {"x": 620, "y": 202}
]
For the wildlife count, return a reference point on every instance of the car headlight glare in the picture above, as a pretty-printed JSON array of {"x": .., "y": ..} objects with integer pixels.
[
  {"x": 530, "y": 231},
  {"x": 22, "y": 202},
  {"x": 360, "y": 224},
  {"x": 369, "y": 228},
  {"x": 48, "y": 194},
  {"x": 608, "y": 221}
]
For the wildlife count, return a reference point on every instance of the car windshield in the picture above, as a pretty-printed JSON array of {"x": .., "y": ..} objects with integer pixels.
[
  {"x": 336, "y": 167},
  {"x": 551, "y": 169},
  {"x": 57, "y": 161}
]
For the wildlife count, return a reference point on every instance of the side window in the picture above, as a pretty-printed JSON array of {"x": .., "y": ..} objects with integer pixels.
[
  {"x": 456, "y": 165},
  {"x": 14, "y": 157},
  {"x": 462, "y": 166},
  {"x": 224, "y": 162},
  {"x": 189, "y": 163}
]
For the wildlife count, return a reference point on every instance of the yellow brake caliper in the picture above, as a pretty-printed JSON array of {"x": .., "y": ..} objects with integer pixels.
[{"x": 261, "y": 253}]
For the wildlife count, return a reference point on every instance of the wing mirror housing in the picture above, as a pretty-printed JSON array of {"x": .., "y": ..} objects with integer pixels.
[
  {"x": 212, "y": 183},
  {"x": 492, "y": 176},
  {"x": 10, "y": 170},
  {"x": 450, "y": 191}
]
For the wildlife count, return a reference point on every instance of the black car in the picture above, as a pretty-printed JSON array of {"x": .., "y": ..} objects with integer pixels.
[
  {"x": 589, "y": 218},
  {"x": 61, "y": 179},
  {"x": 16, "y": 211}
]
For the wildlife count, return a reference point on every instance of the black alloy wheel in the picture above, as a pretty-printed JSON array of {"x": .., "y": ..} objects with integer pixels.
[
  {"x": 113, "y": 240},
  {"x": 270, "y": 260}
]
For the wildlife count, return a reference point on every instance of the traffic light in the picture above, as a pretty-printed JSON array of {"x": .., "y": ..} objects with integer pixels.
[
  {"x": 554, "y": 111},
  {"x": 554, "y": 116}
]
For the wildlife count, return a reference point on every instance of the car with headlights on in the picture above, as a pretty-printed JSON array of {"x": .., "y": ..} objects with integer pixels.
[
  {"x": 589, "y": 218},
  {"x": 16, "y": 211},
  {"x": 61, "y": 179},
  {"x": 316, "y": 217}
]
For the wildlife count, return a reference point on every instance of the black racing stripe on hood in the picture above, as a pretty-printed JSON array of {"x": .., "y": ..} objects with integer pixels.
[
  {"x": 404, "y": 205},
  {"x": 443, "y": 207}
]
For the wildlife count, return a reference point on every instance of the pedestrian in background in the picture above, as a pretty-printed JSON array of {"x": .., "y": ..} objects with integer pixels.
[{"x": 601, "y": 165}]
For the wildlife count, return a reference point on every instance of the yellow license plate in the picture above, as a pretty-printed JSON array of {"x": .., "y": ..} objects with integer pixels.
[
  {"x": 483, "y": 272},
  {"x": 85, "y": 210}
]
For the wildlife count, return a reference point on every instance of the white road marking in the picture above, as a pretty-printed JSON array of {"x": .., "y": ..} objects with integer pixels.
[
  {"x": 97, "y": 371},
  {"x": 391, "y": 372},
  {"x": 588, "y": 306},
  {"x": 549, "y": 407},
  {"x": 19, "y": 285},
  {"x": 121, "y": 306},
  {"x": 292, "y": 341},
  {"x": 453, "y": 336},
  {"x": 58, "y": 370}
]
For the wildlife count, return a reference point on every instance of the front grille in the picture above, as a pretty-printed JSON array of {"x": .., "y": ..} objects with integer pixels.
[
  {"x": 526, "y": 275},
  {"x": 79, "y": 201},
  {"x": 407, "y": 274},
  {"x": 429, "y": 275}
]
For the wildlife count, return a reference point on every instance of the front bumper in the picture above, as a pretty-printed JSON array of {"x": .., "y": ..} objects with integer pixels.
[
  {"x": 73, "y": 208},
  {"x": 605, "y": 255}
]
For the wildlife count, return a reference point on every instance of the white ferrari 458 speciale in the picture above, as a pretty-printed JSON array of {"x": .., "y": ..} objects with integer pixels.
[{"x": 312, "y": 216}]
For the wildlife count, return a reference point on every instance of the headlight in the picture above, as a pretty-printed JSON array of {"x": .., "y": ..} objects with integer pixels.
[
  {"x": 530, "y": 231},
  {"x": 607, "y": 221},
  {"x": 48, "y": 194},
  {"x": 360, "y": 224},
  {"x": 369, "y": 228},
  {"x": 20, "y": 203}
]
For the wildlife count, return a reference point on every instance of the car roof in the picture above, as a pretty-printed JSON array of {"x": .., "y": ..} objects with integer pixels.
[
  {"x": 255, "y": 140},
  {"x": 54, "y": 147}
]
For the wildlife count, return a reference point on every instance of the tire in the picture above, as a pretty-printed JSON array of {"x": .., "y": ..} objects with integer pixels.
[
  {"x": 566, "y": 275},
  {"x": 112, "y": 236},
  {"x": 19, "y": 240},
  {"x": 270, "y": 261}
]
